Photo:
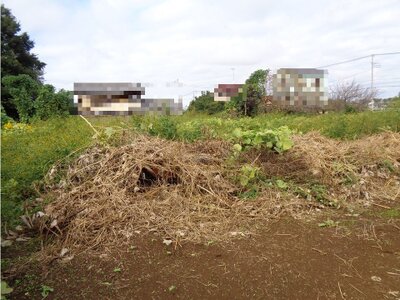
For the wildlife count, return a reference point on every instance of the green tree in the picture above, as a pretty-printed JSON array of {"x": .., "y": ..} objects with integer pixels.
[
  {"x": 16, "y": 58},
  {"x": 49, "y": 103},
  {"x": 248, "y": 101},
  {"x": 205, "y": 103},
  {"x": 23, "y": 90}
]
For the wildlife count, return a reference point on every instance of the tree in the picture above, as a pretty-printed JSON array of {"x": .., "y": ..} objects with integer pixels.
[
  {"x": 23, "y": 91},
  {"x": 16, "y": 58},
  {"x": 248, "y": 102},
  {"x": 352, "y": 92},
  {"x": 205, "y": 103}
]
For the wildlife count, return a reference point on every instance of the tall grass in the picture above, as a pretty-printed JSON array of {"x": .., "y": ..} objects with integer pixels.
[{"x": 28, "y": 155}]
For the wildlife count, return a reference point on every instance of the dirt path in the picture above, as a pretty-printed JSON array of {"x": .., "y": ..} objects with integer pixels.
[{"x": 288, "y": 259}]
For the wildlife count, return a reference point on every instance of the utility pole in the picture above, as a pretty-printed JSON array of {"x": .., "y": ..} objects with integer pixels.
[{"x": 372, "y": 71}]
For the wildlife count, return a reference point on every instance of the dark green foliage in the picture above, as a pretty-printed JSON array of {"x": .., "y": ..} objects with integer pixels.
[
  {"x": 33, "y": 99},
  {"x": 205, "y": 103},
  {"x": 23, "y": 90},
  {"x": 348, "y": 108},
  {"x": 4, "y": 118},
  {"x": 16, "y": 57},
  {"x": 49, "y": 103}
]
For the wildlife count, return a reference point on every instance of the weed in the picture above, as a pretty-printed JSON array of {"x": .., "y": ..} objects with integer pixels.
[
  {"x": 393, "y": 213},
  {"x": 5, "y": 289},
  {"x": 281, "y": 184},
  {"x": 164, "y": 127},
  {"x": 251, "y": 193},
  {"x": 45, "y": 290},
  {"x": 29, "y": 153},
  {"x": 328, "y": 223},
  {"x": 388, "y": 165},
  {"x": 248, "y": 175},
  {"x": 276, "y": 139}
]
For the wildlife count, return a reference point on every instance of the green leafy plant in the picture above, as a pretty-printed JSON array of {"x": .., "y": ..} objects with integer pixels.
[
  {"x": 5, "y": 289},
  {"x": 276, "y": 139},
  {"x": 46, "y": 290},
  {"x": 248, "y": 174},
  {"x": 251, "y": 193},
  {"x": 281, "y": 184}
]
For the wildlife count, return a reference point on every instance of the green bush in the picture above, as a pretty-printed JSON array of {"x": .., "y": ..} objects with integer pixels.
[
  {"x": 205, "y": 103},
  {"x": 50, "y": 104},
  {"x": 23, "y": 90},
  {"x": 35, "y": 100},
  {"x": 164, "y": 127}
]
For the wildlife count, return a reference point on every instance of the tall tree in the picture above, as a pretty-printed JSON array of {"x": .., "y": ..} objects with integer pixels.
[{"x": 16, "y": 57}]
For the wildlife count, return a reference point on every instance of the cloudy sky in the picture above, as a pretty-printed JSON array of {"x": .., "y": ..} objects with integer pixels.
[{"x": 180, "y": 47}]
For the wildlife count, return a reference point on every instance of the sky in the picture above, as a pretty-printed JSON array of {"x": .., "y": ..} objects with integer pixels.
[{"x": 178, "y": 48}]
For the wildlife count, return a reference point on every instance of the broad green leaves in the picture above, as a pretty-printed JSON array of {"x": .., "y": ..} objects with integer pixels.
[
  {"x": 237, "y": 147},
  {"x": 5, "y": 289},
  {"x": 248, "y": 174},
  {"x": 275, "y": 139}
]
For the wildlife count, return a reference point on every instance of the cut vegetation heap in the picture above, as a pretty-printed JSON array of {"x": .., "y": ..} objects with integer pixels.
[{"x": 194, "y": 192}]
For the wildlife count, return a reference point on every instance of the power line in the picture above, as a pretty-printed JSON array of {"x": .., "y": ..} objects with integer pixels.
[
  {"x": 357, "y": 58},
  {"x": 344, "y": 62}
]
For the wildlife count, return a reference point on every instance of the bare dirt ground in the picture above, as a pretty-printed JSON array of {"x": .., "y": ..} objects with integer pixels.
[{"x": 357, "y": 258}]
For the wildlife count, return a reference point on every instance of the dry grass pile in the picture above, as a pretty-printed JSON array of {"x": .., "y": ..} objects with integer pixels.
[
  {"x": 183, "y": 192},
  {"x": 365, "y": 170},
  {"x": 187, "y": 192}
]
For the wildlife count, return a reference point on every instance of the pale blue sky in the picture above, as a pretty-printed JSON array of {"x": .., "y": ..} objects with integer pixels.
[{"x": 199, "y": 42}]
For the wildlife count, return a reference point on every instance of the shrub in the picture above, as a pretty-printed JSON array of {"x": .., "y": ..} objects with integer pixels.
[
  {"x": 49, "y": 103},
  {"x": 23, "y": 90},
  {"x": 205, "y": 103}
]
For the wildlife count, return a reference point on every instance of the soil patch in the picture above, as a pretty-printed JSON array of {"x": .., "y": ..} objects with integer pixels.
[{"x": 289, "y": 259}]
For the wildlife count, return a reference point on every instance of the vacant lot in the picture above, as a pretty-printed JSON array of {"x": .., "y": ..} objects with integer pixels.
[{"x": 203, "y": 207}]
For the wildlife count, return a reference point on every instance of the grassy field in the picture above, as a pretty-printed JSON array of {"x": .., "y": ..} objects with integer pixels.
[{"x": 28, "y": 153}]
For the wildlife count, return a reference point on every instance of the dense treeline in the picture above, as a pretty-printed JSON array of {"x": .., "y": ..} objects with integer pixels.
[{"x": 23, "y": 94}]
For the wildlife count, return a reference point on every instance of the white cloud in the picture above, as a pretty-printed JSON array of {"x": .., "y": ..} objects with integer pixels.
[{"x": 200, "y": 41}]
